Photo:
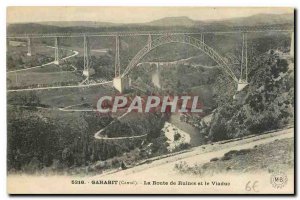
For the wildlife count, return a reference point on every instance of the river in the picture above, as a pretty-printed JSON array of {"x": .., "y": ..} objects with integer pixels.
[{"x": 193, "y": 132}]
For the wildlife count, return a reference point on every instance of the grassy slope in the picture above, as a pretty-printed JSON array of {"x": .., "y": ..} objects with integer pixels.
[
  {"x": 65, "y": 97},
  {"x": 274, "y": 156}
]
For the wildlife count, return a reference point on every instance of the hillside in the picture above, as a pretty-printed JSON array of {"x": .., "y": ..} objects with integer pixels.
[
  {"x": 259, "y": 19},
  {"x": 173, "y": 21},
  {"x": 93, "y": 24},
  {"x": 267, "y": 103},
  {"x": 168, "y": 23}
]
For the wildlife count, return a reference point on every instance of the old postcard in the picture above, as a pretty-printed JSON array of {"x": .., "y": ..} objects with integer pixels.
[{"x": 150, "y": 100}]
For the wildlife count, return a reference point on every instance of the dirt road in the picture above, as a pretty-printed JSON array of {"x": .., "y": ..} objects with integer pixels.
[{"x": 164, "y": 168}]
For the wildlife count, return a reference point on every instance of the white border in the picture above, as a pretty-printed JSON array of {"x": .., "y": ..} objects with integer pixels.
[{"x": 4, "y": 4}]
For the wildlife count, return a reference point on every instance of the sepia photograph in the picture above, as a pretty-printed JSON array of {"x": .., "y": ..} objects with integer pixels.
[{"x": 150, "y": 100}]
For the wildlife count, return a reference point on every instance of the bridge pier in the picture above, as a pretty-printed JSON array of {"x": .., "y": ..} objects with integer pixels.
[
  {"x": 156, "y": 77},
  {"x": 121, "y": 83},
  {"x": 202, "y": 38},
  {"x": 56, "y": 56},
  {"x": 149, "y": 42},
  {"x": 117, "y": 58},
  {"x": 87, "y": 69},
  {"x": 28, "y": 47},
  {"x": 241, "y": 85},
  {"x": 243, "y": 81}
]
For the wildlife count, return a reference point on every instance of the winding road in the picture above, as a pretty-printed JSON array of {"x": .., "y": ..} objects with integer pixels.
[
  {"x": 66, "y": 109},
  {"x": 60, "y": 87},
  {"x": 55, "y": 87},
  {"x": 75, "y": 53},
  {"x": 98, "y": 136},
  {"x": 197, "y": 155}
]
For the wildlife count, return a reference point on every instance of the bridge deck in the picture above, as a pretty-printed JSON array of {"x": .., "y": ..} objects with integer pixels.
[{"x": 229, "y": 30}]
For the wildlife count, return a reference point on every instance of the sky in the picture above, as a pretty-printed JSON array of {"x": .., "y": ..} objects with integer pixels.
[{"x": 130, "y": 14}]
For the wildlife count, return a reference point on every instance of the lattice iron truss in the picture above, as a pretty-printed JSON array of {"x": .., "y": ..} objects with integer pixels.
[
  {"x": 171, "y": 38},
  {"x": 56, "y": 51},
  {"x": 86, "y": 54}
]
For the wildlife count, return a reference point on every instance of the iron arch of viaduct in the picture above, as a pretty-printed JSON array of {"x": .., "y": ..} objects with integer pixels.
[{"x": 185, "y": 39}]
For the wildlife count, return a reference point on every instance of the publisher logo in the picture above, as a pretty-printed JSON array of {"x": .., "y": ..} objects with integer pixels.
[{"x": 279, "y": 180}]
